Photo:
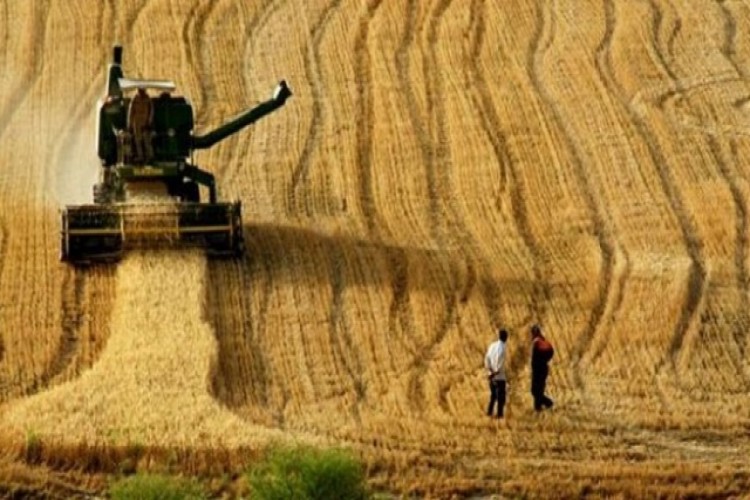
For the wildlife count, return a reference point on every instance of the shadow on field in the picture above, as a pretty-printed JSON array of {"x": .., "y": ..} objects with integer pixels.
[
  {"x": 301, "y": 255},
  {"x": 283, "y": 271}
]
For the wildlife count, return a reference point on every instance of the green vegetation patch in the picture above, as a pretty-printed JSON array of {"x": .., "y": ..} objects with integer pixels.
[
  {"x": 156, "y": 487},
  {"x": 303, "y": 472}
]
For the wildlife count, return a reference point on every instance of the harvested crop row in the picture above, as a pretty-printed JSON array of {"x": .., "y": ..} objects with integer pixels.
[{"x": 152, "y": 381}]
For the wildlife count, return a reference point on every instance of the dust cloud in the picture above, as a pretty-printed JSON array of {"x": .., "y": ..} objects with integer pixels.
[{"x": 77, "y": 164}]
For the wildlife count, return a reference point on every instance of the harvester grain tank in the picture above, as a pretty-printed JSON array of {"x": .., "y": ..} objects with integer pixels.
[{"x": 117, "y": 221}]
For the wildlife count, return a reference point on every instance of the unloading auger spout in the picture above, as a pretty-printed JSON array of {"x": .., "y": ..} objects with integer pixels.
[{"x": 280, "y": 95}]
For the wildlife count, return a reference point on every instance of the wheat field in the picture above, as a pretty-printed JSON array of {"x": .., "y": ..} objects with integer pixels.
[{"x": 444, "y": 168}]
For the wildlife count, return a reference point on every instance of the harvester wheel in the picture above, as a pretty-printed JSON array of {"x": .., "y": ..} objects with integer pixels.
[
  {"x": 102, "y": 194},
  {"x": 191, "y": 192}
]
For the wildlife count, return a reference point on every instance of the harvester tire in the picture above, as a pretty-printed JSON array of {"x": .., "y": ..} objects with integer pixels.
[
  {"x": 102, "y": 194},
  {"x": 191, "y": 192}
]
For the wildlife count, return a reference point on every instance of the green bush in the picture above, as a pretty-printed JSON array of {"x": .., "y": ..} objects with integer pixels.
[
  {"x": 155, "y": 487},
  {"x": 307, "y": 473}
]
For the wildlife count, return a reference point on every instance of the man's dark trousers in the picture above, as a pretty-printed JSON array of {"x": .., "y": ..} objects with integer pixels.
[
  {"x": 538, "y": 386},
  {"x": 497, "y": 395}
]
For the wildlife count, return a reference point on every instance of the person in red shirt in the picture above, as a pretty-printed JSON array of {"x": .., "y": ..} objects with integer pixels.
[{"x": 541, "y": 354}]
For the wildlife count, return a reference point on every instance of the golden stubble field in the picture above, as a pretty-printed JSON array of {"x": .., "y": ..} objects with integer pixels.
[{"x": 444, "y": 168}]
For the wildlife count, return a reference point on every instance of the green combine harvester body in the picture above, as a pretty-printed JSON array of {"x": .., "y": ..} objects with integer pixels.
[{"x": 115, "y": 222}]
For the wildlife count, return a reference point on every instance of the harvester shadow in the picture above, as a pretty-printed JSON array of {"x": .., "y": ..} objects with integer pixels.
[
  {"x": 307, "y": 256},
  {"x": 300, "y": 256},
  {"x": 294, "y": 255},
  {"x": 241, "y": 298}
]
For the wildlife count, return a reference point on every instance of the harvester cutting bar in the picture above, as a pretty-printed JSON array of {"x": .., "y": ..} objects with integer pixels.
[{"x": 93, "y": 233}]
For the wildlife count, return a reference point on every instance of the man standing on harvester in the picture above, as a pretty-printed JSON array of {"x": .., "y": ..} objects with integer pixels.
[
  {"x": 541, "y": 354},
  {"x": 140, "y": 119}
]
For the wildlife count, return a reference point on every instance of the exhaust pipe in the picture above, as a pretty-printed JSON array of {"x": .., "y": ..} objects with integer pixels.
[
  {"x": 117, "y": 56},
  {"x": 115, "y": 73}
]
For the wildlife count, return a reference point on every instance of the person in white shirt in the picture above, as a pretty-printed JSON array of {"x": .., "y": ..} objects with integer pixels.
[{"x": 494, "y": 362}]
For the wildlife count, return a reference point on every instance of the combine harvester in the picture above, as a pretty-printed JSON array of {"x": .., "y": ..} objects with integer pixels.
[{"x": 154, "y": 154}]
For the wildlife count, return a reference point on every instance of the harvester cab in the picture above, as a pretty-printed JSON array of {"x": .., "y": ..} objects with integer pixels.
[{"x": 145, "y": 142}]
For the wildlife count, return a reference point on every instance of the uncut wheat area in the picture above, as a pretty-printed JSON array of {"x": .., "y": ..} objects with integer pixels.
[{"x": 444, "y": 169}]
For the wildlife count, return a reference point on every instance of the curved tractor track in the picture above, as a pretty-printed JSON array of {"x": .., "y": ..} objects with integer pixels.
[{"x": 444, "y": 169}]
